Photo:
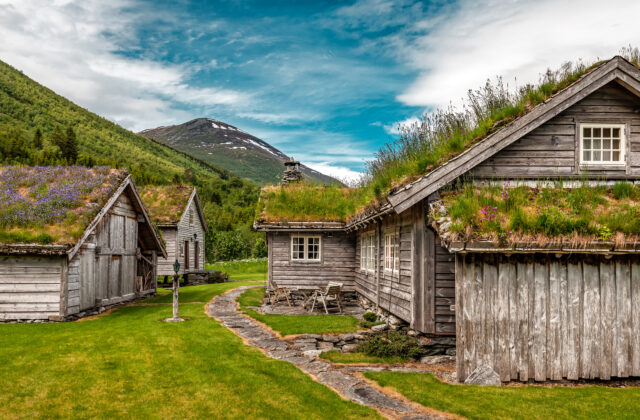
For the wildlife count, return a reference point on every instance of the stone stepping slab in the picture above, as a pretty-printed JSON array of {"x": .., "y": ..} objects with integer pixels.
[{"x": 346, "y": 382}]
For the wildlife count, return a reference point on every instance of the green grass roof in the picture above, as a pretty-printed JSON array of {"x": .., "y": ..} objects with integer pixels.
[
  {"x": 166, "y": 203},
  {"x": 54, "y": 204},
  {"x": 512, "y": 214}
]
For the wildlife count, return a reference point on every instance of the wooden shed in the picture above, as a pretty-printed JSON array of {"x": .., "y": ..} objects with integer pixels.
[
  {"x": 541, "y": 303},
  {"x": 178, "y": 214},
  {"x": 112, "y": 260}
]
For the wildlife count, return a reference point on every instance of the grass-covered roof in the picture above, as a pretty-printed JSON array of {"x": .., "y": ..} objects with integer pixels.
[
  {"x": 52, "y": 204},
  {"x": 166, "y": 203},
  {"x": 303, "y": 202},
  {"x": 511, "y": 214}
]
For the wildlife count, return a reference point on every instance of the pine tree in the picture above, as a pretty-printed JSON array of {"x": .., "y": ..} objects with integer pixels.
[
  {"x": 70, "y": 151},
  {"x": 37, "y": 139},
  {"x": 58, "y": 139}
]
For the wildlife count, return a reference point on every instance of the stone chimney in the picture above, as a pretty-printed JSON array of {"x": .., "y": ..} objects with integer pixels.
[{"x": 292, "y": 172}]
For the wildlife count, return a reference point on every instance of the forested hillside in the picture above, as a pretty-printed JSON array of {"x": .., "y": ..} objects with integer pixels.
[{"x": 39, "y": 127}]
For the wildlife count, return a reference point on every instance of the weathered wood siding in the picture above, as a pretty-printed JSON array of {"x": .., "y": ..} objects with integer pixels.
[
  {"x": 542, "y": 317},
  {"x": 390, "y": 291},
  {"x": 165, "y": 265},
  {"x": 30, "y": 287},
  {"x": 337, "y": 261},
  {"x": 445, "y": 296},
  {"x": 186, "y": 231},
  {"x": 551, "y": 150}
]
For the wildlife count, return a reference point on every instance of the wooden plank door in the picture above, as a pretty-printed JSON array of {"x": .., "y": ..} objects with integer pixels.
[
  {"x": 196, "y": 254},
  {"x": 88, "y": 279},
  {"x": 186, "y": 255}
]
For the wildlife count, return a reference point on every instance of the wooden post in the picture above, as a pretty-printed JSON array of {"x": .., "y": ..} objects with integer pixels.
[{"x": 176, "y": 287}]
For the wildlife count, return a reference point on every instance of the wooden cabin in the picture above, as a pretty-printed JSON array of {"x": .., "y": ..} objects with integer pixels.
[
  {"x": 531, "y": 311},
  {"x": 112, "y": 260},
  {"x": 178, "y": 214}
]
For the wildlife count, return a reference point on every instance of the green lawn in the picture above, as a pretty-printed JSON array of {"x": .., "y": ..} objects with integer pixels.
[
  {"x": 525, "y": 402},
  {"x": 296, "y": 324},
  {"x": 338, "y": 357},
  {"x": 253, "y": 269},
  {"x": 202, "y": 293},
  {"x": 128, "y": 364}
]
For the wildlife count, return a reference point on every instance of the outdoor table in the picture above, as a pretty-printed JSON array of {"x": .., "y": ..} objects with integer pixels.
[{"x": 307, "y": 294}]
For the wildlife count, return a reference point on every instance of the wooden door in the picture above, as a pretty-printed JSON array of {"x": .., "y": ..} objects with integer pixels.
[
  {"x": 186, "y": 255},
  {"x": 196, "y": 254},
  {"x": 423, "y": 274}
]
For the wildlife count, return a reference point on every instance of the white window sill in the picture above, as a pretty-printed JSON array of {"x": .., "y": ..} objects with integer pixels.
[{"x": 306, "y": 261}]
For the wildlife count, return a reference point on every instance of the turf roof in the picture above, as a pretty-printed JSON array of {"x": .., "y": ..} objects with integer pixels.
[
  {"x": 166, "y": 203},
  {"x": 510, "y": 214},
  {"x": 52, "y": 205}
]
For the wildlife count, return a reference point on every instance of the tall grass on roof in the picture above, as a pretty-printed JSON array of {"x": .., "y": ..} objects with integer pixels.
[
  {"x": 308, "y": 202},
  {"x": 444, "y": 133},
  {"x": 510, "y": 214}
]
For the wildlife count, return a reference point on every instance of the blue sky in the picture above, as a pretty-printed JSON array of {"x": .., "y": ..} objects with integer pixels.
[{"x": 326, "y": 82}]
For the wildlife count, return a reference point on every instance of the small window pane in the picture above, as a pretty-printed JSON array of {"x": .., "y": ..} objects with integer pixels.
[
  {"x": 616, "y": 156},
  {"x": 596, "y": 156},
  {"x": 596, "y": 144},
  {"x": 606, "y": 144},
  {"x": 586, "y": 132},
  {"x": 586, "y": 155},
  {"x": 596, "y": 132},
  {"x": 616, "y": 144},
  {"x": 606, "y": 156},
  {"x": 616, "y": 132},
  {"x": 586, "y": 144},
  {"x": 606, "y": 132}
]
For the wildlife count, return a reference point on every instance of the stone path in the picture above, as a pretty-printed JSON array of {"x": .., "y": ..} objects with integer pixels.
[{"x": 346, "y": 382}]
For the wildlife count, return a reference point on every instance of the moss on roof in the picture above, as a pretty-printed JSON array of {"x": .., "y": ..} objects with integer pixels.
[
  {"x": 304, "y": 202},
  {"x": 511, "y": 214},
  {"x": 166, "y": 203},
  {"x": 52, "y": 205}
]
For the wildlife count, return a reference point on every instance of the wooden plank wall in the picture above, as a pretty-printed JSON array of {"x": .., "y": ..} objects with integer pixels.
[
  {"x": 30, "y": 287},
  {"x": 165, "y": 265},
  {"x": 337, "y": 261},
  {"x": 550, "y": 150},
  {"x": 544, "y": 317},
  {"x": 445, "y": 299},
  {"x": 185, "y": 233}
]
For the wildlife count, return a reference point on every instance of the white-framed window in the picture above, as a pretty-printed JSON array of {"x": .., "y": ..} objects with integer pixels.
[
  {"x": 368, "y": 252},
  {"x": 602, "y": 144},
  {"x": 391, "y": 252},
  {"x": 305, "y": 247}
]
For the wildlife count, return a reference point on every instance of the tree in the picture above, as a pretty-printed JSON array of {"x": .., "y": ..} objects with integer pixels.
[
  {"x": 37, "y": 139},
  {"x": 58, "y": 139},
  {"x": 70, "y": 151}
]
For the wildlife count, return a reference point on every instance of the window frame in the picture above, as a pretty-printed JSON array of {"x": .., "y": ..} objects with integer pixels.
[
  {"x": 623, "y": 144},
  {"x": 305, "y": 249},
  {"x": 368, "y": 252},
  {"x": 392, "y": 252}
]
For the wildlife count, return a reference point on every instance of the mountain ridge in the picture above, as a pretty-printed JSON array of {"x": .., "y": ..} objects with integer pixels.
[{"x": 231, "y": 148}]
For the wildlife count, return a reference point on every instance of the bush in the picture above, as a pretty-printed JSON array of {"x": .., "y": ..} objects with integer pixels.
[
  {"x": 259, "y": 248},
  {"x": 391, "y": 344},
  {"x": 370, "y": 317}
]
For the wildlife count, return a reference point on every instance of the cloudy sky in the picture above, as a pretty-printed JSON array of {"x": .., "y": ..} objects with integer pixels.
[{"x": 324, "y": 81}]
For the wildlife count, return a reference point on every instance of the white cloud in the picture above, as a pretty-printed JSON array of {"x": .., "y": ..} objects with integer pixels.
[
  {"x": 395, "y": 127},
  {"x": 341, "y": 173},
  {"x": 73, "y": 47},
  {"x": 517, "y": 39}
]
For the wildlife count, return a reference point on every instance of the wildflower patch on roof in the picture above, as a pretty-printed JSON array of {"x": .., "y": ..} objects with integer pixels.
[
  {"x": 166, "y": 203},
  {"x": 52, "y": 205},
  {"x": 510, "y": 214}
]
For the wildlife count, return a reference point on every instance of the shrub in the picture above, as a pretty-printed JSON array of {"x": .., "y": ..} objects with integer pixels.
[
  {"x": 370, "y": 317},
  {"x": 391, "y": 344}
]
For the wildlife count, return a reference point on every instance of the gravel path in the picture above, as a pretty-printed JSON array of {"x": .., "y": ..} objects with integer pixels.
[{"x": 345, "y": 381}]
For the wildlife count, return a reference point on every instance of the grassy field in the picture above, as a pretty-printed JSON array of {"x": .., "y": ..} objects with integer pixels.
[
  {"x": 296, "y": 324},
  {"x": 128, "y": 364},
  {"x": 245, "y": 270},
  {"x": 526, "y": 402},
  {"x": 349, "y": 358}
]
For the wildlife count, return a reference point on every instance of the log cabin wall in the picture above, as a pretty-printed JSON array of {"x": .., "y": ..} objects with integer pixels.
[
  {"x": 30, "y": 287},
  {"x": 548, "y": 317},
  {"x": 445, "y": 292},
  {"x": 337, "y": 261},
  {"x": 552, "y": 150}
]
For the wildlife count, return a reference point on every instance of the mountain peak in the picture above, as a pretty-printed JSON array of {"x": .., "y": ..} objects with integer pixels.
[{"x": 225, "y": 145}]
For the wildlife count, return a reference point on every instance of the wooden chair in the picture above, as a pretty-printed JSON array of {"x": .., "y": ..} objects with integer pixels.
[
  {"x": 327, "y": 295},
  {"x": 279, "y": 293}
]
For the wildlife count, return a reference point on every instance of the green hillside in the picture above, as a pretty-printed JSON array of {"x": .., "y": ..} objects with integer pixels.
[{"x": 27, "y": 107}]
